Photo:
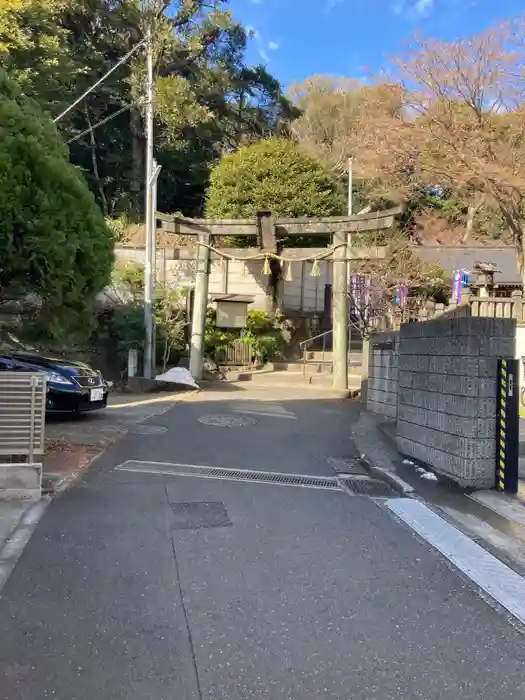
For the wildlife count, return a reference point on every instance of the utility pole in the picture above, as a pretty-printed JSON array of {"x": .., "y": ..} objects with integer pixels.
[
  {"x": 349, "y": 239},
  {"x": 154, "y": 180},
  {"x": 200, "y": 305},
  {"x": 340, "y": 324},
  {"x": 149, "y": 354}
]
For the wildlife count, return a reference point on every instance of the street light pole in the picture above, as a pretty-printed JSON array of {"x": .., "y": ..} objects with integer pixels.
[
  {"x": 148, "y": 215},
  {"x": 350, "y": 186},
  {"x": 349, "y": 241}
]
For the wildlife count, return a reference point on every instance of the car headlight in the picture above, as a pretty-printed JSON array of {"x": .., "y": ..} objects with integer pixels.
[{"x": 56, "y": 378}]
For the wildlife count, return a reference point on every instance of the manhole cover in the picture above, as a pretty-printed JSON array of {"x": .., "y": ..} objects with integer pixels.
[
  {"x": 368, "y": 487},
  {"x": 198, "y": 514},
  {"x": 346, "y": 465},
  {"x": 149, "y": 429},
  {"x": 223, "y": 420}
]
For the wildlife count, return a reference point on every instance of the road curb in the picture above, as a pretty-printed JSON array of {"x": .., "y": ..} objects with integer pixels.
[
  {"x": 396, "y": 482},
  {"x": 174, "y": 398},
  {"x": 13, "y": 547}
]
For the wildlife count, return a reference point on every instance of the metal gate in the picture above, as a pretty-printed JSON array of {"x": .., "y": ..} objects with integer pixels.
[{"x": 22, "y": 432}]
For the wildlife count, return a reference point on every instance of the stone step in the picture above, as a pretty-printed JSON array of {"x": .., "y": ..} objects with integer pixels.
[
  {"x": 327, "y": 356},
  {"x": 312, "y": 366},
  {"x": 287, "y": 378}
]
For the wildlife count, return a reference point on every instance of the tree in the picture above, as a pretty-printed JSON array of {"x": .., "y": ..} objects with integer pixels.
[
  {"x": 463, "y": 124},
  {"x": 391, "y": 288},
  {"x": 208, "y": 100},
  {"x": 333, "y": 126},
  {"x": 54, "y": 243},
  {"x": 341, "y": 117},
  {"x": 276, "y": 175},
  {"x": 333, "y": 112}
]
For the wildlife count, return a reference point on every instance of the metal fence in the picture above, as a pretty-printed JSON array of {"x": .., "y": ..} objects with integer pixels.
[{"x": 22, "y": 414}]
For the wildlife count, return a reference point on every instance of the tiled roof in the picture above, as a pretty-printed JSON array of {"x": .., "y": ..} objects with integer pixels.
[{"x": 453, "y": 258}]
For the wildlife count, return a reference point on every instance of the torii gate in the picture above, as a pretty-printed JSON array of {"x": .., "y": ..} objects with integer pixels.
[{"x": 268, "y": 230}]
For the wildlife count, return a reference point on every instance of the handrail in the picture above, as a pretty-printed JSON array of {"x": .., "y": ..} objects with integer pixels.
[
  {"x": 314, "y": 337},
  {"x": 304, "y": 343}
]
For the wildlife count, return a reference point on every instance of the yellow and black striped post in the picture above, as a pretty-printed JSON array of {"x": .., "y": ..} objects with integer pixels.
[{"x": 507, "y": 427}]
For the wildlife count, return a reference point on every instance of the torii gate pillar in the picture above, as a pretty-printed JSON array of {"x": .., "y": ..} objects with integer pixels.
[{"x": 340, "y": 312}]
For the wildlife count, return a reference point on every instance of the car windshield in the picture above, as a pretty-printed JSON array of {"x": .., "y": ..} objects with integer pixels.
[{"x": 10, "y": 343}]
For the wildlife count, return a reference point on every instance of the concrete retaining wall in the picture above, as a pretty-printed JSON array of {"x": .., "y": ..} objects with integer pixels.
[
  {"x": 447, "y": 395},
  {"x": 382, "y": 386}
]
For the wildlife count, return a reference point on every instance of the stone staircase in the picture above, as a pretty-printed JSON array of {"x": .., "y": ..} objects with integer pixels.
[
  {"x": 316, "y": 371},
  {"x": 317, "y": 362}
]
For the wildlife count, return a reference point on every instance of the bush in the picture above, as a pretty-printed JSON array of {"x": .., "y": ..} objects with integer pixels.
[
  {"x": 272, "y": 175},
  {"x": 125, "y": 321},
  {"x": 54, "y": 242},
  {"x": 263, "y": 335}
]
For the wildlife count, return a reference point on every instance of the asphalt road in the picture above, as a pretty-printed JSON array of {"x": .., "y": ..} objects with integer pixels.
[{"x": 144, "y": 586}]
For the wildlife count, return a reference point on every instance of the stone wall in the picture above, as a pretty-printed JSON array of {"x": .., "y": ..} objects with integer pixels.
[
  {"x": 382, "y": 389},
  {"x": 447, "y": 394}
]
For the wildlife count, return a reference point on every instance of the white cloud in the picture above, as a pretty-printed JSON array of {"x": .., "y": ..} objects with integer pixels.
[
  {"x": 264, "y": 56},
  {"x": 423, "y": 6},
  {"x": 399, "y": 7},
  {"x": 273, "y": 46},
  {"x": 413, "y": 9}
]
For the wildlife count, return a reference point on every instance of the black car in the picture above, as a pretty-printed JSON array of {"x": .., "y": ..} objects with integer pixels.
[{"x": 72, "y": 387}]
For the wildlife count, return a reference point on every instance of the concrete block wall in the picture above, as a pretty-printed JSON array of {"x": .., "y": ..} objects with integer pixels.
[
  {"x": 382, "y": 389},
  {"x": 302, "y": 293},
  {"x": 447, "y": 395}
]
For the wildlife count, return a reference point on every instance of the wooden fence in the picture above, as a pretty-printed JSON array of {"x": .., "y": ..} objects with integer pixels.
[{"x": 238, "y": 354}]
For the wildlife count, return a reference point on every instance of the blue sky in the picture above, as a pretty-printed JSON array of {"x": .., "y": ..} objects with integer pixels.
[{"x": 298, "y": 38}]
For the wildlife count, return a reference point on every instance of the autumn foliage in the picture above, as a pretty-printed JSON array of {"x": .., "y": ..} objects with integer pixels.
[{"x": 444, "y": 132}]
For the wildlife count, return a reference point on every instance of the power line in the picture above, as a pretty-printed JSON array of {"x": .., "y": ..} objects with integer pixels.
[
  {"x": 99, "y": 82},
  {"x": 100, "y": 123}
]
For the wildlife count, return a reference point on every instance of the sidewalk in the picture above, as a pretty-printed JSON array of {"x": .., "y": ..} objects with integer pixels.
[{"x": 496, "y": 521}]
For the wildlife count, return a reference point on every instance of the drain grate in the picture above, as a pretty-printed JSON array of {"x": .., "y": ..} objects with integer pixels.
[
  {"x": 368, "y": 487},
  {"x": 315, "y": 482}
]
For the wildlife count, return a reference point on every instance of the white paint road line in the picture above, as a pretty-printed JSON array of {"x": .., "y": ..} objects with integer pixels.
[
  {"x": 15, "y": 545},
  {"x": 263, "y": 408},
  {"x": 493, "y": 577},
  {"x": 265, "y": 413}
]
